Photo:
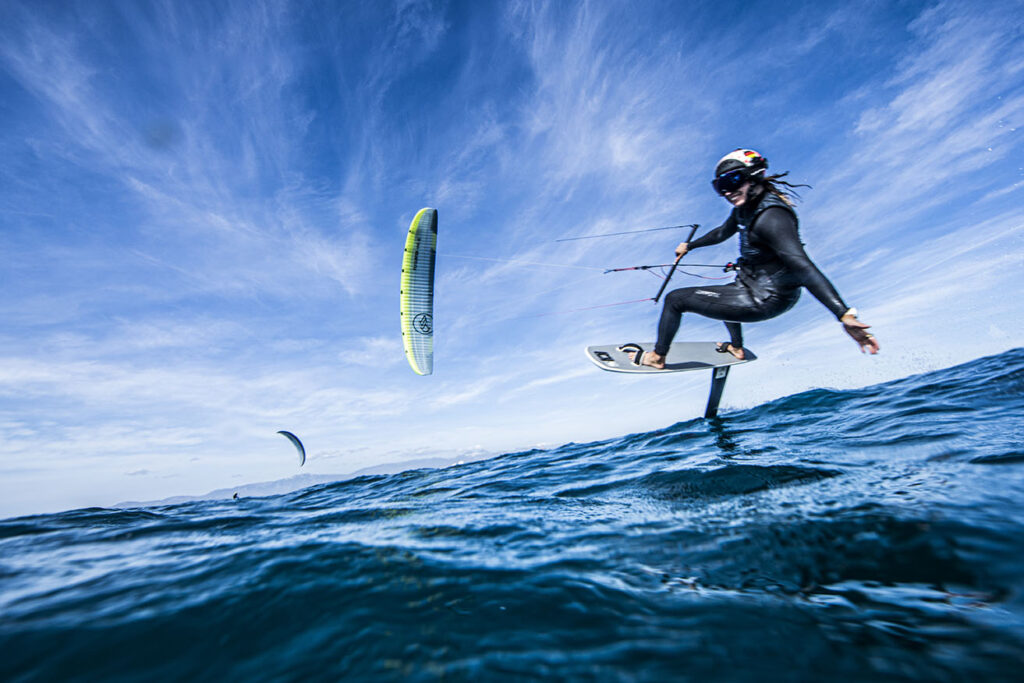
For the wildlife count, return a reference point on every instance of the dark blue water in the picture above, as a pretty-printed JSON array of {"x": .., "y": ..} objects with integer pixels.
[{"x": 866, "y": 535}]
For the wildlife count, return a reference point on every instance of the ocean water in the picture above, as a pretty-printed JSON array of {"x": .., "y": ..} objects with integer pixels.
[{"x": 867, "y": 535}]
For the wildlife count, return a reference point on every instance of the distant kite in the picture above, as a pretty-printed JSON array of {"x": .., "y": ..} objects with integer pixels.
[
  {"x": 417, "y": 300},
  {"x": 298, "y": 446}
]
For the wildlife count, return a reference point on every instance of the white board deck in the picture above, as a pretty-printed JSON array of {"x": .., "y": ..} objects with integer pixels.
[{"x": 682, "y": 356}]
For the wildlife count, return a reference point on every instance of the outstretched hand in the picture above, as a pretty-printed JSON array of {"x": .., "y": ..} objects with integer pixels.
[
  {"x": 681, "y": 250},
  {"x": 860, "y": 334}
]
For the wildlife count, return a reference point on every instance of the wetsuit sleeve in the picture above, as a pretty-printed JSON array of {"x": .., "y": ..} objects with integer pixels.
[
  {"x": 777, "y": 228},
  {"x": 719, "y": 234}
]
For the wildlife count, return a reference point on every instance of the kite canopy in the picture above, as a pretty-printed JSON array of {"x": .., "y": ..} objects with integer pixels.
[
  {"x": 298, "y": 446},
  {"x": 417, "y": 305}
]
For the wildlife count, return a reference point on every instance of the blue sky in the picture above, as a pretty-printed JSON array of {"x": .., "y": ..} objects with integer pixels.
[{"x": 203, "y": 207}]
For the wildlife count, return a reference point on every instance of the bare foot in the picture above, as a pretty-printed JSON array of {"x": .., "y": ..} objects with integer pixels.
[
  {"x": 737, "y": 352},
  {"x": 650, "y": 359}
]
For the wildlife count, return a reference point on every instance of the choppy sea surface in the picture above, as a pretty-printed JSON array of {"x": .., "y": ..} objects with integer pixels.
[{"x": 866, "y": 535}]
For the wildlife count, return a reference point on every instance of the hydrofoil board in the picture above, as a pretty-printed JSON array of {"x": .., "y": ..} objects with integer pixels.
[{"x": 682, "y": 356}]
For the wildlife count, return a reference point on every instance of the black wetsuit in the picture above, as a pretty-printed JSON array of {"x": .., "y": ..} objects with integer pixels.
[{"x": 773, "y": 266}]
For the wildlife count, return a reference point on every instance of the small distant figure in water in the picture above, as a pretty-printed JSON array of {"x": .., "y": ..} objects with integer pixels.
[
  {"x": 235, "y": 497},
  {"x": 773, "y": 266}
]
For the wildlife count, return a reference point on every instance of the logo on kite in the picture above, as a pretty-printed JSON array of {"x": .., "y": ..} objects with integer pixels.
[{"x": 423, "y": 323}]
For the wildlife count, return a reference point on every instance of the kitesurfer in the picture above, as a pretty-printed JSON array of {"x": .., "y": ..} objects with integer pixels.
[{"x": 772, "y": 268}]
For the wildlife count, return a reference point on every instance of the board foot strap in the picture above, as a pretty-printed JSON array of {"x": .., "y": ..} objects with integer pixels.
[{"x": 637, "y": 349}]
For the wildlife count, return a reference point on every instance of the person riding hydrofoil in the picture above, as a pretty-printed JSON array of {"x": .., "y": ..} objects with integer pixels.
[{"x": 772, "y": 269}]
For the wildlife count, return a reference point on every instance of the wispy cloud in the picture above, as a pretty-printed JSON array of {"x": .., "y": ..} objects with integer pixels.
[
  {"x": 203, "y": 210},
  {"x": 946, "y": 112},
  {"x": 228, "y": 130}
]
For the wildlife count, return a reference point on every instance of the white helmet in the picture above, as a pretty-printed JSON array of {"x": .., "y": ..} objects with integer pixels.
[{"x": 747, "y": 159}]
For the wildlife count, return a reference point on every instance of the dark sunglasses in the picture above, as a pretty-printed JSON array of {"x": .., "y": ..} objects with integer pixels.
[{"x": 730, "y": 182}]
